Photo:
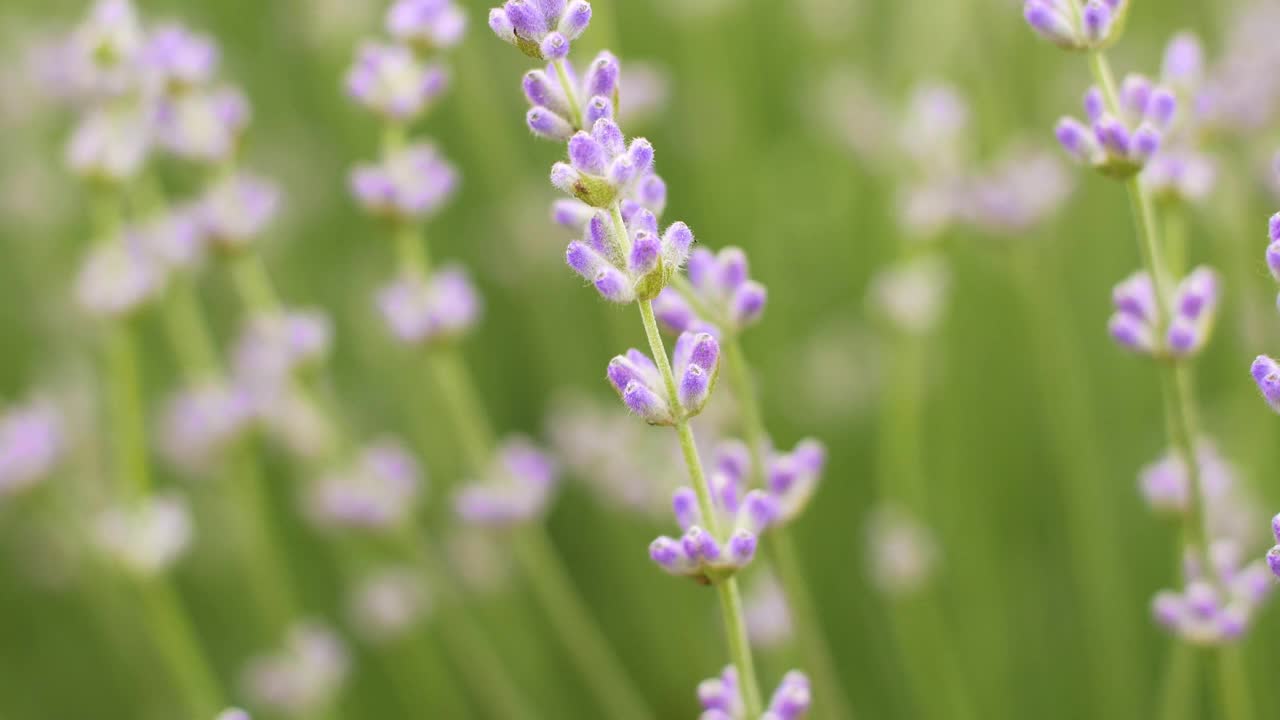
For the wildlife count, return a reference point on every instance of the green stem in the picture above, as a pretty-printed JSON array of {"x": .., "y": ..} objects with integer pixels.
[
  {"x": 130, "y": 446},
  {"x": 1175, "y": 237},
  {"x": 570, "y": 93},
  {"x": 411, "y": 250},
  {"x": 173, "y": 632},
  {"x": 253, "y": 283},
  {"x": 1178, "y": 687},
  {"x": 1233, "y": 685},
  {"x": 188, "y": 331},
  {"x": 730, "y": 599},
  {"x": 458, "y": 394}
]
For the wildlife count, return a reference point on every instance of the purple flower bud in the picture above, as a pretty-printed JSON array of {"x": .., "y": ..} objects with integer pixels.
[
  {"x": 548, "y": 125},
  {"x": 1273, "y": 560},
  {"x": 32, "y": 441},
  {"x": 742, "y": 547},
  {"x": 1135, "y": 95},
  {"x": 389, "y": 80},
  {"x": 1097, "y": 21},
  {"x": 1076, "y": 139},
  {"x": 645, "y": 402},
  {"x": 1266, "y": 373},
  {"x": 747, "y": 304},
  {"x": 238, "y": 208},
  {"x": 179, "y": 58},
  {"x": 673, "y": 312},
  {"x": 1146, "y": 141},
  {"x": 554, "y": 46},
  {"x": 602, "y": 77},
  {"x": 1273, "y": 228},
  {"x": 1162, "y": 107},
  {"x": 1183, "y": 64},
  {"x": 586, "y": 154},
  {"x": 426, "y": 24},
  {"x": 1094, "y": 104},
  {"x": 575, "y": 20},
  {"x": 516, "y": 487},
  {"x": 1131, "y": 333},
  {"x": 645, "y": 252},
  {"x": 440, "y": 308},
  {"x": 598, "y": 108},
  {"x": 1168, "y": 609},
  {"x": 573, "y": 214},
  {"x": 684, "y": 502},
  {"x": 1048, "y": 21},
  {"x": 541, "y": 29}
]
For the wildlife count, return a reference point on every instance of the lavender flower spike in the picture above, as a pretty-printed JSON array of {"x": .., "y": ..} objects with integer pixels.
[
  {"x": 1193, "y": 307},
  {"x": 722, "y": 290},
  {"x": 302, "y": 677},
  {"x": 634, "y": 267},
  {"x": 1063, "y": 24},
  {"x": 119, "y": 277},
  {"x": 516, "y": 490},
  {"x": 378, "y": 492},
  {"x": 790, "y": 478},
  {"x": 1216, "y": 610},
  {"x": 437, "y": 309},
  {"x": 31, "y": 444},
  {"x": 410, "y": 185},
  {"x": 602, "y": 168},
  {"x": 541, "y": 29},
  {"x": 713, "y": 549},
  {"x": 238, "y": 209},
  {"x": 390, "y": 81},
  {"x": 1118, "y": 142},
  {"x": 426, "y": 24},
  {"x": 695, "y": 363},
  {"x": 721, "y": 698},
  {"x": 550, "y": 113}
]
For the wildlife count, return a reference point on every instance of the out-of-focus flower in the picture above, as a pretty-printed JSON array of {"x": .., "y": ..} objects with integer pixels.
[
  {"x": 1016, "y": 194},
  {"x": 177, "y": 237},
  {"x": 119, "y": 276},
  {"x": 1071, "y": 27},
  {"x": 201, "y": 421},
  {"x": 769, "y": 623},
  {"x": 426, "y": 24},
  {"x": 274, "y": 345},
  {"x": 380, "y": 490},
  {"x": 238, "y": 209},
  {"x": 541, "y": 29},
  {"x": 1241, "y": 90},
  {"x": 1180, "y": 174},
  {"x": 411, "y": 184},
  {"x": 901, "y": 552},
  {"x": 1215, "y": 608},
  {"x": 437, "y": 309},
  {"x": 724, "y": 295},
  {"x": 721, "y": 698},
  {"x": 102, "y": 56},
  {"x": 515, "y": 489},
  {"x": 203, "y": 125},
  {"x": 177, "y": 58},
  {"x": 146, "y": 536},
  {"x": 790, "y": 479},
  {"x": 635, "y": 267},
  {"x": 110, "y": 144},
  {"x": 551, "y": 112},
  {"x": 292, "y": 418},
  {"x": 392, "y": 82},
  {"x": 1118, "y": 142},
  {"x": 911, "y": 295},
  {"x": 302, "y": 677},
  {"x": 695, "y": 365},
  {"x": 644, "y": 90},
  {"x": 233, "y": 714},
  {"x": 32, "y": 441},
  {"x": 1164, "y": 483},
  {"x": 387, "y": 604},
  {"x": 1136, "y": 323}
]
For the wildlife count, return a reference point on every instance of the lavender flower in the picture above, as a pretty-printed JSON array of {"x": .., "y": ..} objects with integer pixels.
[
  {"x": 387, "y": 604},
  {"x": 649, "y": 193},
  {"x": 102, "y": 55},
  {"x": 203, "y": 125},
  {"x": 1165, "y": 486},
  {"x": 118, "y": 277},
  {"x": 635, "y": 267},
  {"x": 1120, "y": 145},
  {"x": 302, "y": 677},
  {"x": 1266, "y": 373},
  {"x": 722, "y": 290},
  {"x": 392, "y": 82},
  {"x": 1062, "y": 23},
  {"x": 713, "y": 549},
  {"x": 1136, "y": 325},
  {"x": 541, "y": 29},
  {"x": 1178, "y": 174},
  {"x": 238, "y": 209},
  {"x": 902, "y": 552},
  {"x": 790, "y": 478},
  {"x": 602, "y": 168},
  {"x": 274, "y": 345},
  {"x": 1183, "y": 67},
  {"x": 769, "y": 621},
  {"x": 1016, "y": 194},
  {"x": 1273, "y": 555},
  {"x": 378, "y": 491},
  {"x": 411, "y": 184},
  {"x": 910, "y": 295},
  {"x": 515, "y": 489},
  {"x": 110, "y": 145},
  {"x": 721, "y": 698},
  {"x": 551, "y": 114},
  {"x": 233, "y": 714},
  {"x": 32, "y": 441},
  {"x": 179, "y": 59},
  {"x": 147, "y": 536},
  {"x": 1215, "y": 609},
  {"x": 426, "y": 24},
  {"x": 200, "y": 422},
  {"x": 438, "y": 309},
  {"x": 696, "y": 364}
]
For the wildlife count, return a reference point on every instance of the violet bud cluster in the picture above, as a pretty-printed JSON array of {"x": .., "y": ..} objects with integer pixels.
[
  {"x": 1265, "y": 370},
  {"x": 1119, "y": 142},
  {"x": 515, "y": 490},
  {"x": 302, "y": 678},
  {"x": 393, "y": 82},
  {"x": 541, "y": 29},
  {"x": 723, "y": 296},
  {"x": 378, "y": 491},
  {"x": 713, "y": 549},
  {"x": 32, "y": 442},
  {"x": 1216, "y": 607},
  {"x": 1137, "y": 325},
  {"x": 411, "y": 184},
  {"x": 632, "y": 263},
  {"x": 431, "y": 310},
  {"x": 556, "y": 114},
  {"x": 201, "y": 421},
  {"x": 146, "y": 536},
  {"x": 696, "y": 365},
  {"x": 721, "y": 698},
  {"x": 1165, "y": 483},
  {"x": 1064, "y": 23},
  {"x": 603, "y": 168},
  {"x": 790, "y": 478},
  {"x": 426, "y": 25}
]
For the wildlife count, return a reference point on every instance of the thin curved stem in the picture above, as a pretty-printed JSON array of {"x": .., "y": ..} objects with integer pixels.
[
  {"x": 1233, "y": 685},
  {"x": 570, "y": 93},
  {"x": 1178, "y": 687}
]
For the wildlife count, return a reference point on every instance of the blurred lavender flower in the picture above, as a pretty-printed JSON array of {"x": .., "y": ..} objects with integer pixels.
[
  {"x": 101, "y": 58},
  {"x": 411, "y": 184},
  {"x": 237, "y": 209},
  {"x": 1064, "y": 24},
  {"x": 724, "y": 295},
  {"x": 274, "y": 345},
  {"x": 1183, "y": 67},
  {"x": 378, "y": 491},
  {"x": 1241, "y": 91},
  {"x": 636, "y": 267},
  {"x": 177, "y": 58},
  {"x": 708, "y": 555},
  {"x": 233, "y": 714},
  {"x": 1120, "y": 147},
  {"x": 146, "y": 536},
  {"x": 1164, "y": 483},
  {"x": 1177, "y": 174},
  {"x": 203, "y": 125},
  {"x": 721, "y": 698},
  {"x": 1217, "y": 608},
  {"x": 515, "y": 489},
  {"x": 32, "y": 442},
  {"x": 110, "y": 144},
  {"x": 769, "y": 622},
  {"x": 695, "y": 363},
  {"x": 481, "y": 560},
  {"x": 201, "y": 421},
  {"x": 387, "y": 604},
  {"x": 426, "y": 24},
  {"x": 551, "y": 113},
  {"x": 1136, "y": 325},
  {"x": 602, "y": 168},
  {"x": 304, "y": 676},
  {"x": 902, "y": 553},
  {"x": 176, "y": 238},
  {"x": 119, "y": 276},
  {"x": 647, "y": 87},
  {"x": 1016, "y": 194},
  {"x": 911, "y": 294},
  {"x": 392, "y": 82},
  {"x": 790, "y": 478},
  {"x": 292, "y": 417},
  {"x": 437, "y": 309},
  {"x": 541, "y": 29},
  {"x": 933, "y": 127}
]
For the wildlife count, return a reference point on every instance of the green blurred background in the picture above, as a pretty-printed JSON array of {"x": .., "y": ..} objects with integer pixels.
[{"x": 746, "y": 149}]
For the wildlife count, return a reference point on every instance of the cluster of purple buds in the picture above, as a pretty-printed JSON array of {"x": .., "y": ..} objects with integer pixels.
[
  {"x": 516, "y": 490},
  {"x": 436, "y": 309},
  {"x": 31, "y": 444},
  {"x": 378, "y": 491},
  {"x": 146, "y": 536},
  {"x": 178, "y": 237},
  {"x": 635, "y": 264},
  {"x": 177, "y": 59},
  {"x": 713, "y": 549},
  {"x": 1119, "y": 142},
  {"x": 723, "y": 296},
  {"x": 302, "y": 678},
  {"x": 101, "y": 58},
  {"x": 388, "y": 603},
  {"x": 1180, "y": 174},
  {"x": 392, "y": 82},
  {"x": 1065, "y": 24},
  {"x": 119, "y": 276},
  {"x": 541, "y": 29},
  {"x": 650, "y": 193},
  {"x": 203, "y": 125},
  {"x": 790, "y": 478},
  {"x": 721, "y": 698},
  {"x": 602, "y": 168},
  {"x": 554, "y": 114},
  {"x": 275, "y": 345},
  {"x": 1136, "y": 323},
  {"x": 201, "y": 421},
  {"x": 110, "y": 144},
  {"x": 409, "y": 185},
  {"x": 1266, "y": 371},
  {"x": 695, "y": 363},
  {"x": 1215, "y": 608},
  {"x": 1015, "y": 194},
  {"x": 238, "y": 209},
  {"x": 426, "y": 25},
  {"x": 1165, "y": 484}
]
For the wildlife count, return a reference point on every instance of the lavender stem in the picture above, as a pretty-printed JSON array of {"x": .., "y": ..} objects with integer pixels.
[
  {"x": 1178, "y": 695},
  {"x": 571, "y": 94},
  {"x": 1237, "y": 704}
]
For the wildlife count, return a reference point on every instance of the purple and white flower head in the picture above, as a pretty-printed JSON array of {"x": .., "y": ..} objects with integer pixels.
[
  {"x": 602, "y": 168},
  {"x": 1118, "y": 142},
  {"x": 1266, "y": 373},
  {"x": 1179, "y": 174},
  {"x": 1183, "y": 67},
  {"x": 146, "y": 536},
  {"x": 1215, "y": 608},
  {"x": 118, "y": 277},
  {"x": 933, "y": 129},
  {"x": 1164, "y": 483},
  {"x": 110, "y": 144},
  {"x": 378, "y": 491},
  {"x": 437, "y": 309},
  {"x": 426, "y": 24},
  {"x": 541, "y": 29},
  {"x": 550, "y": 113},
  {"x": 202, "y": 421},
  {"x": 238, "y": 209},
  {"x": 392, "y": 82},
  {"x": 713, "y": 549},
  {"x": 102, "y": 56},
  {"x": 790, "y": 478},
  {"x": 275, "y": 345},
  {"x": 233, "y": 714},
  {"x": 177, "y": 237},
  {"x": 515, "y": 490},
  {"x": 768, "y": 616},
  {"x": 911, "y": 295},
  {"x": 695, "y": 363},
  {"x": 304, "y": 676},
  {"x": 291, "y": 417},
  {"x": 1016, "y": 194},
  {"x": 387, "y": 604},
  {"x": 635, "y": 267},
  {"x": 902, "y": 553},
  {"x": 721, "y": 698},
  {"x": 203, "y": 125},
  {"x": 1062, "y": 22},
  {"x": 649, "y": 193},
  {"x": 1137, "y": 326},
  {"x": 724, "y": 295},
  {"x": 32, "y": 441},
  {"x": 178, "y": 59},
  {"x": 411, "y": 184}
]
